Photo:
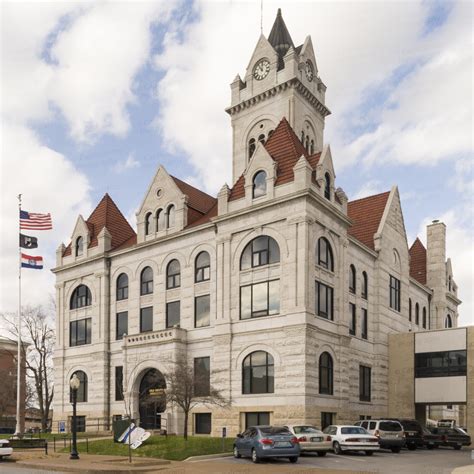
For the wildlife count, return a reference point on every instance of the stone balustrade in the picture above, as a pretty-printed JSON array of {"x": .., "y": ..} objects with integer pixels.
[{"x": 156, "y": 337}]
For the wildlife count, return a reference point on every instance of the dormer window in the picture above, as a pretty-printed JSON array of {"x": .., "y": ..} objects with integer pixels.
[
  {"x": 251, "y": 147},
  {"x": 327, "y": 186},
  {"x": 261, "y": 139},
  {"x": 311, "y": 147},
  {"x": 79, "y": 246},
  {"x": 160, "y": 220},
  {"x": 170, "y": 217},
  {"x": 148, "y": 223},
  {"x": 259, "y": 184}
]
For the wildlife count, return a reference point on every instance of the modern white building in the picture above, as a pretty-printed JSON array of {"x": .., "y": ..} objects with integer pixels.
[{"x": 279, "y": 288}]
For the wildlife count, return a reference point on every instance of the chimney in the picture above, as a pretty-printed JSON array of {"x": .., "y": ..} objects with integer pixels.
[{"x": 436, "y": 257}]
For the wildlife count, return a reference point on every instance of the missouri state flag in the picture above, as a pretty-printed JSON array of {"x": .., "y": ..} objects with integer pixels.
[{"x": 29, "y": 261}]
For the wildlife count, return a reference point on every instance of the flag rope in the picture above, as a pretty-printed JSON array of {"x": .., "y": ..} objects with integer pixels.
[{"x": 18, "y": 388}]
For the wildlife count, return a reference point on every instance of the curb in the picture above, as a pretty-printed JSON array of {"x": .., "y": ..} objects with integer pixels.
[{"x": 208, "y": 456}]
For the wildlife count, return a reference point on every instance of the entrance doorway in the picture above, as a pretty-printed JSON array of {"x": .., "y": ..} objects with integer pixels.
[{"x": 152, "y": 400}]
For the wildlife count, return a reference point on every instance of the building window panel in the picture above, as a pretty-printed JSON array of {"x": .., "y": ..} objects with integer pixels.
[
  {"x": 122, "y": 287},
  {"x": 146, "y": 281},
  {"x": 203, "y": 267},
  {"x": 257, "y": 419},
  {"x": 324, "y": 301},
  {"x": 327, "y": 419},
  {"x": 83, "y": 387},
  {"x": 173, "y": 314},
  {"x": 203, "y": 423},
  {"x": 260, "y": 251},
  {"x": 173, "y": 275},
  {"x": 365, "y": 286},
  {"x": 441, "y": 364},
  {"x": 365, "y": 324},
  {"x": 202, "y": 376},
  {"x": 260, "y": 299},
  {"x": 409, "y": 310},
  {"x": 259, "y": 184},
  {"x": 258, "y": 373},
  {"x": 365, "y": 374},
  {"x": 146, "y": 319},
  {"x": 121, "y": 325},
  {"x": 80, "y": 332},
  {"x": 325, "y": 255},
  {"x": 352, "y": 319},
  {"x": 81, "y": 297},
  {"x": 202, "y": 311},
  {"x": 326, "y": 374},
  {"x": 394, "y": 293},
  {"x": 118, "y": 383}
]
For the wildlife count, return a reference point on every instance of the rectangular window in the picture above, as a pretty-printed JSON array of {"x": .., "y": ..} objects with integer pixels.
[
  {"x": 324, "y": 301},
  {"x": 441, "y": 364},
  {"x": 352, "y": 320},
  {"x": 121, "y": 325},
  {"x": 365, "y": 417},
  {"x": 327, "y": 419},
  {"x": 172, "y": 314},
  {"x": 119, "y": 383},
  {"x": 260, "y": 299},
  {"x": 80, "y": 332},
  {"x": 202, "y": 376},
  {"x": 365, "y": 324},
  {"x": 257, "y": 418},
  {"x": 394, "y": 293},
  {"x": 364, "y": 383},
  {"x": 202, "y": 311},
  {"x": 146, "y": 319},
  {"x": 80, "y": 423},
  {"x": 203, "y": 423}
]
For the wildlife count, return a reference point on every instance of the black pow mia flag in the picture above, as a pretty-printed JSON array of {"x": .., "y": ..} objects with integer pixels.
[{"x": 28, "y": 242}]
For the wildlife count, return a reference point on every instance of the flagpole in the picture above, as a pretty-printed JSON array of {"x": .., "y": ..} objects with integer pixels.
[{"x": 18, "y": 388}]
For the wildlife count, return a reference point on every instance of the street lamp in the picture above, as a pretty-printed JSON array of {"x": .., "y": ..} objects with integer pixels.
[{"x": 74, "y": 384}]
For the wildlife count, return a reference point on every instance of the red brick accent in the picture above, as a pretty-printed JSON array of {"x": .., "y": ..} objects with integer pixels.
[{"x": 418, "y": 261}]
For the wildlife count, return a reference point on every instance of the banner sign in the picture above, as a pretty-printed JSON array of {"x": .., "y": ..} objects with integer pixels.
[{"x": 134, "y": 435}]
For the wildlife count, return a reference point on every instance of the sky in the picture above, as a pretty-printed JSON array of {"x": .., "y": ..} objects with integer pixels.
[{"x": 95, "y": 96}]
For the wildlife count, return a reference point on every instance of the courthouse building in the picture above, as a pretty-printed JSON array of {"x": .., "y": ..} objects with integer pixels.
[{"x": 280, "y": 289}]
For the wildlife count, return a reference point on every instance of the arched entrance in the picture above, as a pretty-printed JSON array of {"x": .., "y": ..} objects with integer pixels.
[{"x": 152, "y": 399}]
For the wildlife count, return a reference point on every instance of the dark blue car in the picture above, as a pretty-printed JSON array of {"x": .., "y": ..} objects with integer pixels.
[{"x": 258, "y": 442}]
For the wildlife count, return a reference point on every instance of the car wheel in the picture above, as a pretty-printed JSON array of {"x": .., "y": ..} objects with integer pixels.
[
  {"x": 255, "y": 458},
  {"x": 337, "y": 448},
  {"x": 369, "y": 453},
  {"x": 458, "y": 446},
  {"x": 430, "y": 446},
  {"x": 411, "y": 447},
  {"x": 322, "y": 453},
  {"x": 293, "y": 459},
  {"x": 236, "y": 453},
  {"x": 395, "y": 450}
]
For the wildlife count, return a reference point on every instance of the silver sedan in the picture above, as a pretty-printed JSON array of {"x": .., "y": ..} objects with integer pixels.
[{"x": 311, "y": 439}]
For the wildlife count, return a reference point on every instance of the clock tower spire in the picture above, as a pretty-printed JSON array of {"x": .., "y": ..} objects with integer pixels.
[{"x": 281, "y": 81}]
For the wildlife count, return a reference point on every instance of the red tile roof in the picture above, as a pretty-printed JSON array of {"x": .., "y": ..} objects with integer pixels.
[
  {"x": 107, "y": 214},
  {"x": 286, "y": 149},
  {"x": 366, "y": 215},
  {"x": 418, "y": 261}
]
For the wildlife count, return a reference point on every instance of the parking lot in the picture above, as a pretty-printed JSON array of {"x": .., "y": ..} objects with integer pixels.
[{"x": 442, "y": 460}]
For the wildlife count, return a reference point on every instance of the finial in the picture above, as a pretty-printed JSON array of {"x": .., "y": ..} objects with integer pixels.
[{"x": 279, "y": 12}]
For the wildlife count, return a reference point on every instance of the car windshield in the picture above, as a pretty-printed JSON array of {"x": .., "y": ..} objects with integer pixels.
[
  {"x": 274, "y": 430},
  {"x": 390, "y": 426},
  {"x": 305, "y": 429},
  {"x": 353, "y": 430},
  {"x": 460, "y": 431}
]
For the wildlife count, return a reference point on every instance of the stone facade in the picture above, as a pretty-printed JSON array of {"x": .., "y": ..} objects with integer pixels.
[{"x": 300, "y": 206}]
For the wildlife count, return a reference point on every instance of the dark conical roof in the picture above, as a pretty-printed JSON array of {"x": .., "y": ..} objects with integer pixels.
[{"x": 279, "y": 37}]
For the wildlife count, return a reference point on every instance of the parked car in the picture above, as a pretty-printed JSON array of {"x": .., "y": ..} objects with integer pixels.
[
  {"x": 389, "y": 433},
  {"x": 311, "y": 439},
  {"x": 430, "y": 440},
  {"x": 5, "y": 448},
  {"x": 260, "y": 442},
  {"x": 413, "y": 432},
  {"x": 453, "y": 437},
  {"x": 351, "y": 438}
]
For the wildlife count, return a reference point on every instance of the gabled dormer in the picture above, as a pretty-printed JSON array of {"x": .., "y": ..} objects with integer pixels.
[
  {"x": 80, "y": 239},
  {"x": 325, "y": 175}
]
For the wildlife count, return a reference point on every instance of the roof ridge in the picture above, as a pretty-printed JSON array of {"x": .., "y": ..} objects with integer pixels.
[
  {"x": 371, "y": 196},
  {"x": 187, "y": 184},
  {"x": 419, "y": 241}
]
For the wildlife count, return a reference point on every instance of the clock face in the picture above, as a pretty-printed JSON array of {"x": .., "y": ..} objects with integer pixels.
[
  {"x": 309, "y": 71},
  {"x": 261, "y": 69}
]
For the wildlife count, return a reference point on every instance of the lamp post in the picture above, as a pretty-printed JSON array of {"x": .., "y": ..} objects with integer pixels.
[{"x": 74, "y": 384}]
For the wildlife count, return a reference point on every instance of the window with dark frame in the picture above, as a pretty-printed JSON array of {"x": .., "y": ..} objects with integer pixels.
[
  {"x": 79, "y": 246},
  {"x": 441, "y": 364},
  {"x": 202, "y": 268},
  {"x": 352, "y": 279},
  {"x": 170, "y": 212},
  {"x": 146, "y": 319},
  {"x": 251, "y": 147},
  {"x": 173, "y": 275},
  {"x": 327, "y": 186},
  {"x": 118, "y": 383},
  {"x": 409, "y": 310},
  {"x": 417, "y": 314},
  {"x": 257, "y": 418},
  {"x": 80, "y": 332},
  {"x": 259, "y": 184},
  {"x": 202, "y": 311},
  {"x": 260, "y": 299},
  {"x": 80, "y": 423},
  {"x": 394, "y": 293},
  {"x": 327, "y": 419},
  {"x": 146, "y": 281},
  {"x": 448, "y": 322},
  {"x": 80, "y": 297},
  {"x": 352, "y": 319},
  {"x": 122, "y": 287},
  {"x": 202, "y": 376},
  {"x": 203, "y": 423},
  {"x": 121, "y": 325},
  {"x": 424, "y": 318},
  {"x": 325, "y": 255},
  {"x": 148, "y": 223},
  {"x": 260, "y": 251},
  {"x": 365, "y": 286},
  {"x": 365, "y": 324},
  {"x": 324, "y": 301},
  {"x": 326, "y": 374},
  {"x": 160, "y": 220},
  {"x": 173, "y": 314},
  {"x": 365, "y": 374},
  {"x": 83, "y": 388},
  {"x": 258, "y": 373}
]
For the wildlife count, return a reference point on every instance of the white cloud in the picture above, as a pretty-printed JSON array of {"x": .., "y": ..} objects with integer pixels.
[
  {"x": 369, "y": 188},
  {"x": 129, "y": 163}
]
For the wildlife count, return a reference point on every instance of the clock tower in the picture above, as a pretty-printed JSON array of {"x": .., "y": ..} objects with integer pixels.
[{"x": 281, "y": 81}]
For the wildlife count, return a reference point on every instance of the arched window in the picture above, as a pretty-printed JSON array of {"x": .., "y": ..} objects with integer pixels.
[
  {"x": 448, "y": 322},
  {"x": 270, "y": 133},
  {"x": 449, "y": 283},
  {"x": 261, "y": 139},
  {"x": 122, "y": 286},
  {"x": 409, "y": 310},
  {"x": 81, "y": 297},
  {"x": 327, "y": 186},
  {"x": 160, "y": 220},
  {"x": 424, "y": 318},
  {"x": 251, "y": 147},
  {"x": 170, "y": 216},
  {"x": 173, "y": 275},
  {"x": 148, "y": 223},
  {"x": 202, "y": 270},
  {"x": 260, "y": 251},
  {"x": 311, "y": 147},
  {"x": 365, "y": 286},
  {"x": 258, "y": 373},
  {"x": 82, "y": 391},
  {"x": 259, "y": 184},
  {"x": 326, "y": 375},
  {"x": 306, "y": 145},
  {"x": 79, "y": 246},
  {"x": 352, "y": 279},
  {"x": 325, "y": 257},
  {"x": 417, "y": 314},
  {"x": 302, "y": 137},
  {"x": 146, "y": 281}
]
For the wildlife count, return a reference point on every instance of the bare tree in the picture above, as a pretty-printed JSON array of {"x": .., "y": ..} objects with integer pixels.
[
  {"x": 187, "y": 388},
  {"x": 38, "y": 333}
]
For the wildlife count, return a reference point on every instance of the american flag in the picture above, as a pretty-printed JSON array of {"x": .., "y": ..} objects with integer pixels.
[{"x": 33, "y": 221}]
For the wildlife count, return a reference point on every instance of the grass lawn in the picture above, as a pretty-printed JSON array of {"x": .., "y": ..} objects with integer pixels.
[{"x": 174, "y": 448}]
